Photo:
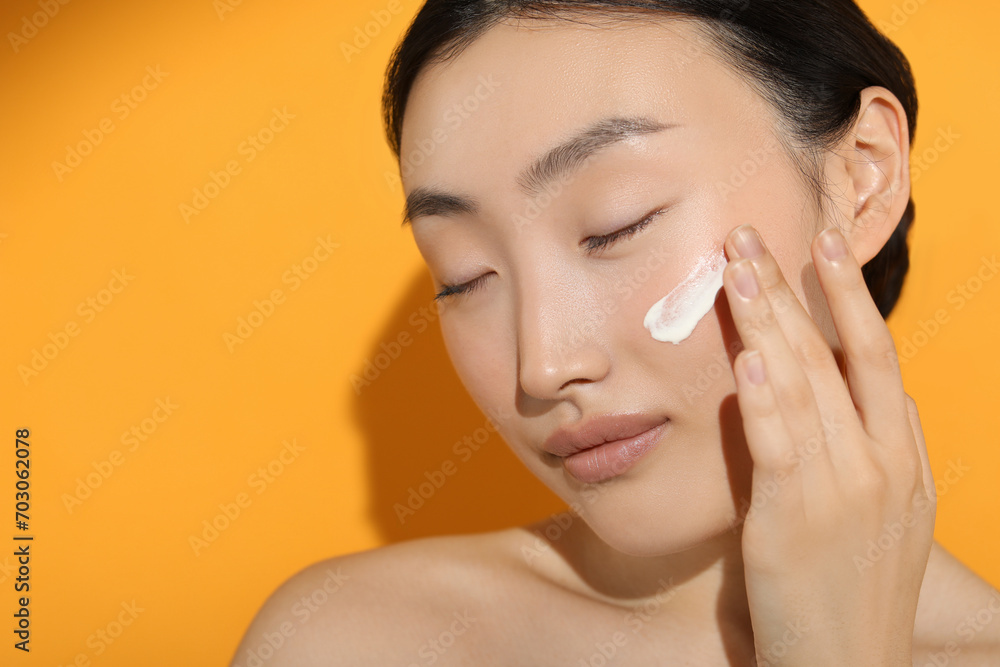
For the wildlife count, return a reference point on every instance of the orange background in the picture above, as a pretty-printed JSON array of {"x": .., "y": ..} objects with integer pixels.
[{"x": 162, "y": 335}]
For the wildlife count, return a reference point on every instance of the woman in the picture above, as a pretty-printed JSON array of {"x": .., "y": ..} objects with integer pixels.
[{"x": 617, "y": 199}]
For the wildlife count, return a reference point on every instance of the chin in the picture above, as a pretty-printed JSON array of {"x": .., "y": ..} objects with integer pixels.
[
  {"x": 644, "y": 540},
  {"x": 641, "y": 518},
  {"x": 676, "y": 498}
]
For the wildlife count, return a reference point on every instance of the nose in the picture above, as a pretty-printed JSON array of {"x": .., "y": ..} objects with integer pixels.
[{"x": 561, "y": 340}]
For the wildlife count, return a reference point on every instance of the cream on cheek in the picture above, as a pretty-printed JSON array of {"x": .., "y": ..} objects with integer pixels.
[{"x": 674, "y": 317}]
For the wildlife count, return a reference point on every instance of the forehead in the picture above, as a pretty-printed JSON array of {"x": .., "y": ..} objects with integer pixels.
[{"x": 520, "y": 88}]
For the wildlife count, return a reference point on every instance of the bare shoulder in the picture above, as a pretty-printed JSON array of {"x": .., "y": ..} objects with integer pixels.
[
  {"x": 958, "y": 614},
  {"x": 405, "y": 604}
]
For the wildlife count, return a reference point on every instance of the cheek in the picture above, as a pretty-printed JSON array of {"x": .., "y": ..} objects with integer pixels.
[
  {"x": 481, "y": 358},
  {"x": 667, "y": 298},
  {"x": 693, "y": 376},
  {"x": 686, "y": 380}
]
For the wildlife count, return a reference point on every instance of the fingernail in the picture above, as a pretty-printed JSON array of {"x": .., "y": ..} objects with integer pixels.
[
  {"x": 745, "y": 279},
  {"x": 832, "y": 244},
  {"x": 755, "y": 367},
  {"x": 747, "y": 242}
]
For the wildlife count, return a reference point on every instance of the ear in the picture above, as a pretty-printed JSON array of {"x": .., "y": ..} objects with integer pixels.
[{"x": 871, "y": 170}]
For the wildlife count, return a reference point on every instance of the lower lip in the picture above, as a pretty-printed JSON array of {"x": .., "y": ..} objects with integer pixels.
[{"x": 611, "y": 459}]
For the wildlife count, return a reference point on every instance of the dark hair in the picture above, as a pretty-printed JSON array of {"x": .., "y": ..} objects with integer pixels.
[{"x": 810, "y": 59}]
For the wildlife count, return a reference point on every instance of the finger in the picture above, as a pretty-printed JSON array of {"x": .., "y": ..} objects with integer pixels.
[
  {"x": 873, "y": 375},
  {"x": 763, "y": 422},
  {"x": 780, "y": 480},
  {"x": 807, "y": 349},
  {"x": 759, "y": 330},
  {"x": 918, "y": 436},
  {"x": 809, "y": 345}
]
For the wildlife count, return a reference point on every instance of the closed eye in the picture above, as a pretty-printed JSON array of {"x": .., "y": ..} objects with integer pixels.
[
  {"x": 592, "y": 244},
  {"x": 464, "y": 288},
  {"x": 596, "y": 244}
]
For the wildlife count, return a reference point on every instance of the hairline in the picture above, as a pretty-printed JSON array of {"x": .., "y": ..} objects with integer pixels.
[{"x": 807, "y": 159}]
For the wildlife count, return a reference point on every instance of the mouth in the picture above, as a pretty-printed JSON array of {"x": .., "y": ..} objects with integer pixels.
[{"x": 607, "y": 446}]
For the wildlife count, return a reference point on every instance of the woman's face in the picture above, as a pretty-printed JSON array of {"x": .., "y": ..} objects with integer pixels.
[{"x": 552, "y": 334}]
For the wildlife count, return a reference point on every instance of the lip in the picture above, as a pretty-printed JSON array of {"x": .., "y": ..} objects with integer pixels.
[{"x": 605, "y": 446}]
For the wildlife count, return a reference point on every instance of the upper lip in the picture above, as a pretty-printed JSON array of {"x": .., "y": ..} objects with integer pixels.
[{"x": 599, "y": 430}]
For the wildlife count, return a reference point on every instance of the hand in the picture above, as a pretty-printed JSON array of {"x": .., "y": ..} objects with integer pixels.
[{"x": 841, "y": 520}]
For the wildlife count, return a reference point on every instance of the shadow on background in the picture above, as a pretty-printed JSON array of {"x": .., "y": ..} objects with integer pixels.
[{"x": 427, "y": 479}]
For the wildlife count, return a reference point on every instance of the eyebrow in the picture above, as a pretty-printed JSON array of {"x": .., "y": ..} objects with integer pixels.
[{"x": 556, "y": 163}]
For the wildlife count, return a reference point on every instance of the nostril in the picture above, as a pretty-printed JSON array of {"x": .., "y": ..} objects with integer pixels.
[
  {"x": 549, "y": 372},
  {"x": 576, "y": 381}
]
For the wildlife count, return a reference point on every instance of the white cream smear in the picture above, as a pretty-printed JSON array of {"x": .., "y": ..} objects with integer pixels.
[{"x": 674, "y": 317}]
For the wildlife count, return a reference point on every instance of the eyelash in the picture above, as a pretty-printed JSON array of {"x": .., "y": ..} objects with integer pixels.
[
  {"x": 464, "y": 288},
  {"x": 598, "y": 243},
  {"x": 593, "y": 243}
]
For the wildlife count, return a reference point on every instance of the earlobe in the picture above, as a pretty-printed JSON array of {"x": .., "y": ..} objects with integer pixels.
[{"x": 876, "y": 172}]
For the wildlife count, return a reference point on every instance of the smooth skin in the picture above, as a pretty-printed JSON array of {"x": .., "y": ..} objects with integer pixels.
[
  {"x": 738, "y": 537},
  {"x": 869, "y": 469}
]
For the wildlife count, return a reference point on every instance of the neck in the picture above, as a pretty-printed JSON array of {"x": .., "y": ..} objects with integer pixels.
[{"x": 703, "y": 585}]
